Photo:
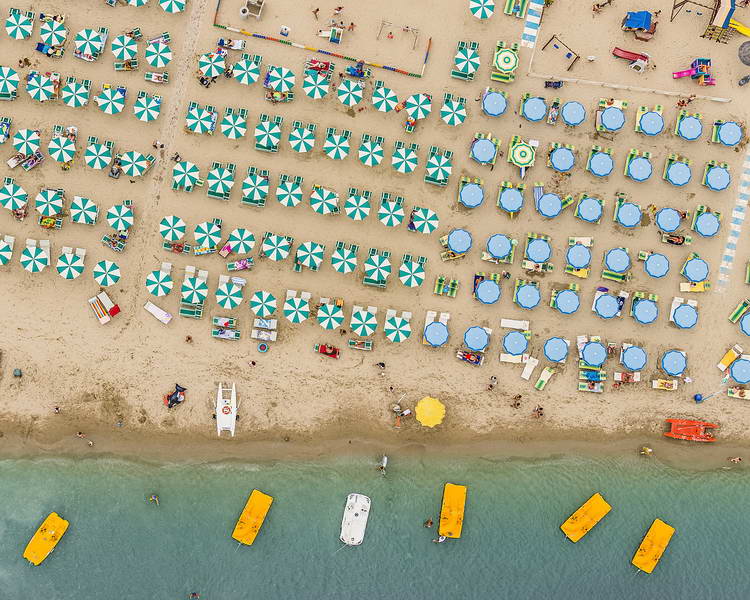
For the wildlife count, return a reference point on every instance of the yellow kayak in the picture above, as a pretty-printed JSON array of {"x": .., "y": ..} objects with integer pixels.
[
  {"x": 252, "y": 517},
  {"x": 653, "y": 546},
  {"x": 452, "y": 512},
  {"x": 45, "y": 539},
  {"x": 585, "y": 518}
]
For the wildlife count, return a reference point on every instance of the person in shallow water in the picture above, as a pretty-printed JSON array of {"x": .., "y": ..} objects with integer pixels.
[{"x": 428, "y": 523}]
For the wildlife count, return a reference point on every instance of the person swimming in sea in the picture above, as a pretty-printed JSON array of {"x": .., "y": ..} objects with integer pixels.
[{"x": 154, "y": 499}]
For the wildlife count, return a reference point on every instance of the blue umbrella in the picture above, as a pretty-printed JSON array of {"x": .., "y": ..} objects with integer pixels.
[
  {"x": 578, "y": 256},
  {"x": 640, "y": 169},
  {"x": 567, "y": 302},
  {"x": 515, "y": 343},
  {"x": 488, "y": 291},
  {"x": 651, "y": 123},
  {"x": 573, "y": 113},
  {"x": 690, "y": 128},
  {"x": 534, "y": 109},
  {"x": 476, "y": 338},
  {"x": 589, "y": 210},
  {"x": 594, "y": 353},
  {"x": 607, "y": 306},
  {"x": 494, "y": 104},
  {"x": 674, "y": 362},
  {"x": 555, "y": 349},
  {"x": 729, "y": 133},
  {"x": 718, "y": 178},
  {"x": 685, "y": 316},
  {"x": 499, "y": 245},
  {"x": 617, "y": 260},
  {"x": 668, "y": 219},
  {"x": 612, "y": 118},
  {"x": 745, "y": 324},
  {"x": 696, "y": 269},
  {"x": 528, "y": 296},
  {"x": 562, "y": 159},
  {"x": 601, "y": 164},
  {"x": 634, "y": 358},
  {"x": 538, "y": 250},
  {"x": 629, "y": 214},
  {"x": 656, "y": 265},
  {"x": 678, "y": 173},
  {"x": 740, "y": 370},
  {"x": 471, "y": 195},
  {"x": 549, "y": 205},
  {"x": 510, "y": 200},
  {"x": 436, "y": 334},
  {"x": 459, "y": 241},
  {"x": 645, "y": 311},
  {"x": 707, "y": 224},
  {"x": 483, "y": 150}
]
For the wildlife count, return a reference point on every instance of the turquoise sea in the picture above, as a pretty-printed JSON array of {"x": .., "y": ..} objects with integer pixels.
[{"x": 121, "y": 547}]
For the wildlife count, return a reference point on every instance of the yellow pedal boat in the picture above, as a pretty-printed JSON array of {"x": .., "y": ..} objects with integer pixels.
[
  {"x": 45, "y": 539},
  {"x": 585, "y": 518},
  {"x": 252, "y": 517},
  {"x": 452, "y": 511}
]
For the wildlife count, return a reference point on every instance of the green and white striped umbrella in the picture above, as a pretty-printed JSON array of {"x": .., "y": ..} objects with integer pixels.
[
  {"x": 391, "y": 213},
  {"x": 315, "y": 85},
  {"x": 425, "y": 220},
  {"x": 207, "y": 234},
  {"x": 482, "y": 9},
  {"x": 229, "y": 295},
  {"x": 233, "y": 126},
  {"x": 220, "y": 181},
  {"x": 522, "y": 154},
  {"x": 185, "y": 174},
  {"x": 158, "y": 55},
  {"x": 357, "y": 207},
  {"x": 418, "y": 106},
  {"x": 133, "y": 163},
  {"x": 506, "y": 61},
  {"x": 276, "y": 247},
  {"x": 336, "y": 146},
  {"x": 349, "y": 92},
  {"x": 397, "y": 329},
  {"x": 453, "y": 113},
  {"x": 88, "y": 41},
  {"x": 439, "y": 166},
  {"x": 344, "y": 260},
  {"x": 324, "y": 201},
  {"x": 106, "y": 273},
  {"x": 404, "y": 160},
  {"x": 280, "y": 79},
  {"x": 13, "y": 196},
  {"x": 97, "y": 156},
  {"x": 120, "y": 217},
  {"x": 377, "y": 266},
  {"x": 53, "y": 33},
  {"x": 363, "y": 323},
  {"x": 74, "y": 94},
  {"x": 26, "y": 141},
  {"x": 384, "y": 99},
  {"x": 40, "y": 87},
  {"x": 61, "y": 149},
  {"x": 330, "y": 316},
  {"x": 267, "y": 134},
  {"x": 83, "y": 211},
  {"x": 370, "y": 153},
  {"x": 110, "y": 101},
  {"x": 124, "y": 47},
  {"x": 172, "y": 228},
  {"x": 147, "y": 108},
  {"x": 255, "y": 187},
  {"x": 49, "y": 202},
  {"x": 310, "y": 254},
  {"x": 18, "y": 26},
  {"x": 301, "y": 139},
  {"x": 137, "y": 2},
  {"x": 246, "y": 71},
  {"x": 242, "y": 240},
  {"x": 211, "y": 64},
  {"x": 8, "y": 80},
  {"x": 199, "y": 120},
  {"x": 34, "y": 259},
  {"x": 296, "y": 310},
  {"x": 263, "y": 303},
  {"x": 411, "y": 273},
  {"x": 69, "y": 265},
  {"x": 6, "y": 252},
  {"x": 159, "y": 283},
  {"x": 194, "y": 290},
  {"x": 172, "y": 6},
  {"x": 289, "y": 193},
  {"x": 466, "y": 60}
]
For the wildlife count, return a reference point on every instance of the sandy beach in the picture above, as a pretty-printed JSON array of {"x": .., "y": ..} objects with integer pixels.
[{"x": 109, "y": 380}]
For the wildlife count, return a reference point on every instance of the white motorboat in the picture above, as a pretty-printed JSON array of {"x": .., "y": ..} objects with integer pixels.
[
  {"x": 226, "y": 408},
  {"x": 354, "y": 523}
]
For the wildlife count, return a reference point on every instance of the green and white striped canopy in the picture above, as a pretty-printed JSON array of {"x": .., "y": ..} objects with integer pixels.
[
  {"x": 377, "y": 266},
  {"x": 336, "y": 146},
  {"x": 246, "y": 71},
  {"x": 404, "y": 160},
  {"x": 324, "y": 201},
  {"x": 280, "y": 79},
  {"x": 505, "y": 60},
  {"x": 26, "y": 141},
  {"x": 466, "y": 60},
  {"x": 124, "y": 47},
  {"x": 8, "y": 80},
  {"x": 233, "y": 126},
  {"x": 74, "y": 94},
  {"x": 34, "y": 259},
  {"x": 425, "y": 220},
  {"x": 159, "y": 283},
  {"x": 211, "y": 64},
  {"x": 13, "y": 196},
  {"x": 242, "y": 240},
  {"x": 289, "y": 193},
  {"x": 315, "y": 85},
  {"x": 97, "y": 156},
  {"x": 439, "y": 166},
  {"x": 88, "y": 41},
  {"x": 482, "y": 9},
  {"x": 453, "y": 113},
  {"x": 349, "y": 92},
  {"x": 255, "y": 188},
  {"x": 18, "y": 26},
  {"x": 61, "y": 149},
  {"x": 158, "y": 55},
  {"x": 6, "y": 252},
  {"x": 120, "y": 217},
  {"x": 229, "y": 295},
  {"x": 267, "y": 134},
  {"x": 330, "y": 316},
  {"x": 172, "y": 6},
  {"x": 344, "y": 260},
  {"x": 49, "y": 202},
  {"x": 301, "y": 139},
  {"x": 296, "y": 310},
  {"x": 418, "y": 106},
  {"x": 357, "y": 207},
  {"x": 363, "y": 323},
  {"x": 220, "y": 180},
  {"x": 370, "y": 153},
  {"x": 199, "y": 120},
  {"x": 172, "y": 228},
  {"x": 53, "y": 33},
  {"x": 83, "y": 211},
  {"x": 194, "y": 290},
  {"x": 309, "y": 254},
  {"x": 397, "y": 329},
  {"x": 276, "y": 247},
  {"x": 110, "y": 101},
  {"x": 391, "y": 213},
  {"x": 133, "y": 163},
  {"x": 69, "y": 265},
  {"x": 263, "y": 303},
  {"x": 411, "y": 273},
  {"x": 106, "y": 273},
  {"x": 40, "y": 87},
  {"x": 207, "y": 234},
  {"x": 185, "y": 174},
  {"x": 384, "y": 99},
  {"x": 147, "y": 108}
]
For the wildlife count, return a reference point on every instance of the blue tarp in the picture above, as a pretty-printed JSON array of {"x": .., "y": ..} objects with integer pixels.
[{"x": 638, "y": 20}]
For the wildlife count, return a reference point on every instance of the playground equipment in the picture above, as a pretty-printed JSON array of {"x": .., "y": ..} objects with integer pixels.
[
  {"x": 638, "y": 62},
  {"x": 700, "y": 70},
  {"x": 642, "y": 23},
  {"x": 558, "y": 44},
  {"x": 251, "y": 8}
]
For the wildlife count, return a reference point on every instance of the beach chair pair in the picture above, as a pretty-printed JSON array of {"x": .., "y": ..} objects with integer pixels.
[
  {"x": 461, "y": 70},
  {"x": 445, "y": 286},
  {"x": 502, "y": 74},
  {"x": 516, "y": 8},
  {"x": 161, "y": 77}
]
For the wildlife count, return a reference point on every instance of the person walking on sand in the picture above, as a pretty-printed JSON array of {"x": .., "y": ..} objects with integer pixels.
[
  {"x": 338, "y": 10},
  {"x": 315, "y": 13},
  {"x": 351, "y": 27},
  {"x": 428, "y": 523},
  {"x": 390, "y": 35}
]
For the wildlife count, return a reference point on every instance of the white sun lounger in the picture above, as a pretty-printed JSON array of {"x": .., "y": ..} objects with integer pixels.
[
  {"x": 203, "y": 275},
  {"x": 66, "y": 250},
  {"x": 263, "y": 335},
  {"x": 265, "y": 323},
  {"x": 11, "y": 241},
  {"x": 81, "y": 253},
  {"x": 223, "y": 279},
  {"x": 305, "y": 296},
  {"x": 291, "y": 294},
  {"x": 158, "y": 313},
  {"x": 31, "y": 243},
  {"x": 390, "y": 313},
  {"x": 512, "y": 358},
  {"x": 444, "y": 318},
  {"x": 406, "y": 315},
  {"x": 514, "y": 324},
  {"x": 531, "y": 364},
  {"x": 189, "y": 271},
  {"x": 45, "y": 245}
]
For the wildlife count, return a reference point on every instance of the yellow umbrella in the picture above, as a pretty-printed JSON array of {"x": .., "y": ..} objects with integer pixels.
[{"x": 430, "y": 411}]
